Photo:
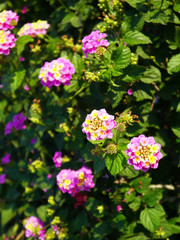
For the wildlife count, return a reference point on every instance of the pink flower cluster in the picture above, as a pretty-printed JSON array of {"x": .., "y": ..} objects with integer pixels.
[
  {"x": 93, "y": 41},
  {"x": 8, "y": 20},
  {"x": 7, "y": 41},
  {"x": 17, "y": 123},
  {"x": 73, "y": 182},
  {"x": 144, "y": 153},
  {"x": 2, "y": 178},
  {"x": 57, "y": 159},
  {"x": 98, "y": 125},
  {"x": 56, "y": 72},
  {"x": 34, "y": 228},
  {"x": 34, "y": 29},
  {"x": 6, "y": 159}
]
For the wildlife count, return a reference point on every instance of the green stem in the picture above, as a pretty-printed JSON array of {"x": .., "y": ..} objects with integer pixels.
[{"x": 65, "y": 6}]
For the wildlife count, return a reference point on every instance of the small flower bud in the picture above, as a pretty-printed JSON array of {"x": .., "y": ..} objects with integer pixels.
[{"x": 111, "y": 148}]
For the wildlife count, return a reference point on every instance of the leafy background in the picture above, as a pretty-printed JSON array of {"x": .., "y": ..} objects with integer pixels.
[{"x": 149, "y": 63}]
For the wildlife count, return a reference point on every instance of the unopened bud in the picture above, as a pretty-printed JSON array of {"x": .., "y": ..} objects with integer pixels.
[{"x": 111, "y": 148}]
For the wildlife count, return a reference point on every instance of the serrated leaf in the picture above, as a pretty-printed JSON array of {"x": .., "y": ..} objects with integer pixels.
[
  {"x": 135, "y": 205},
  {"x": 174, "y": 64},
  {"x": 121, "y": 56},
  {"x": 129, "y": 172},
  {"x": 78, "y": 63},
  {"x": 156, "y": 16},
  {"x": 142, "y": 94},
  {"x": 176, "y": 7},
  {"x": 152, "y": 74},
  {"x": 18, "y": 78},
  {"x": 150, "y": 219},
  {"x": 115, "y": 162},
  {"x": 21, "y": 42},
  {"x": 141, "y": 184},
  {"x": 135, "y": 38},
  {"x": 152, "y": 197},
  {"x": 132, "y": 73}
]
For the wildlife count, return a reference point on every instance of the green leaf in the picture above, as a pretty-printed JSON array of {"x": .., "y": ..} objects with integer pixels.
[
  {"x": 101, "y": 229},
  {"x": 152, "y": 74},
  {"x": 135, "y": 38},
  {"x": 76, "y": 22},
  {"x": 174, "y": 64},
  {"x": 115, "y": 162},
  {"x": 119, "y": 221},
  {"x": 132, "y": 73},
  {"x": 176, "y": 131},
  {"x": 8, "y": 213},
  {"x": 129, "y": 172},
  {"x": 141, "y": 184},
  {"x": 150, "y": 219},
  {"x": 41, "y": 212},
  {"x": 79, "y": 221},
  {"x": 156, "y": 16},
  {"x": 176, "y": 7},
  {"x": 99, "y": 164},
  {"x": 21, "y": 42},
  {"x": 18, "y": 78},
  {"x": 121, "y": 56},
  {"x": 130, "y": 196},
  {"x": 152, "y": 197},
  {"x": 78, "y": 63},
  {"x": 135, "y": 205},
  {"x": 142, "y": 94}
]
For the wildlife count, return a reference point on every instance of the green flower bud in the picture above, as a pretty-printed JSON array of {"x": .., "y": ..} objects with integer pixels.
[{"x": 111, "y": 148}]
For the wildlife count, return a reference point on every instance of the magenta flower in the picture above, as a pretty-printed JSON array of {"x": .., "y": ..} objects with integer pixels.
[
  {"x": 34, "y": 29},
  {"x": 33, "y": 140},
  {"x": 93, "y": 41},
  {"x": 144, "y": 153},
  {"x": 34, "y": 227},
  {"x": 2, "y": 178},
  {"x": 57, "y": 159},
  {"x": 130, "y": 91},
  {"x": 17, "y": 123},
  {"x": 26, "y": 87},
  {"x": 7, "y": 41},
  {"x": 85, "y": 179},
  {"x": 6, "y": 159},
  {"x": 98, "y": 125},
  {"x": 8, "y": 20},
  {"x": 66, "y": 181},
  {"x": 56, "y": 72},
  {"x": 118, "y": 208},
  {"x": 8, "y": 128},
  {"x": 73, "y": 182},
  {"x": 21, "y": 59},
  {"x": 24, "y": 10}
]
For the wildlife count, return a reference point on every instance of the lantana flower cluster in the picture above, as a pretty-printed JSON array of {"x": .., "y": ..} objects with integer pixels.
[
  {"x": 17, "y": 123},
  {"x": 34, "y": 29},
  {"x": 7, "y": 41},
  {"x": 73, "y": 182},
  {"x": 57, "y": 159},
  {"x": 8, "y": 20},
  {"x": 98, "y": 125},
  {"x": 6, "y": 159},
  {"x": 34, "y": 228},
  {"x": 144, "y": 153},
  {"x": 94, "y": 41},
  {"x": 56, "y": 72}
]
